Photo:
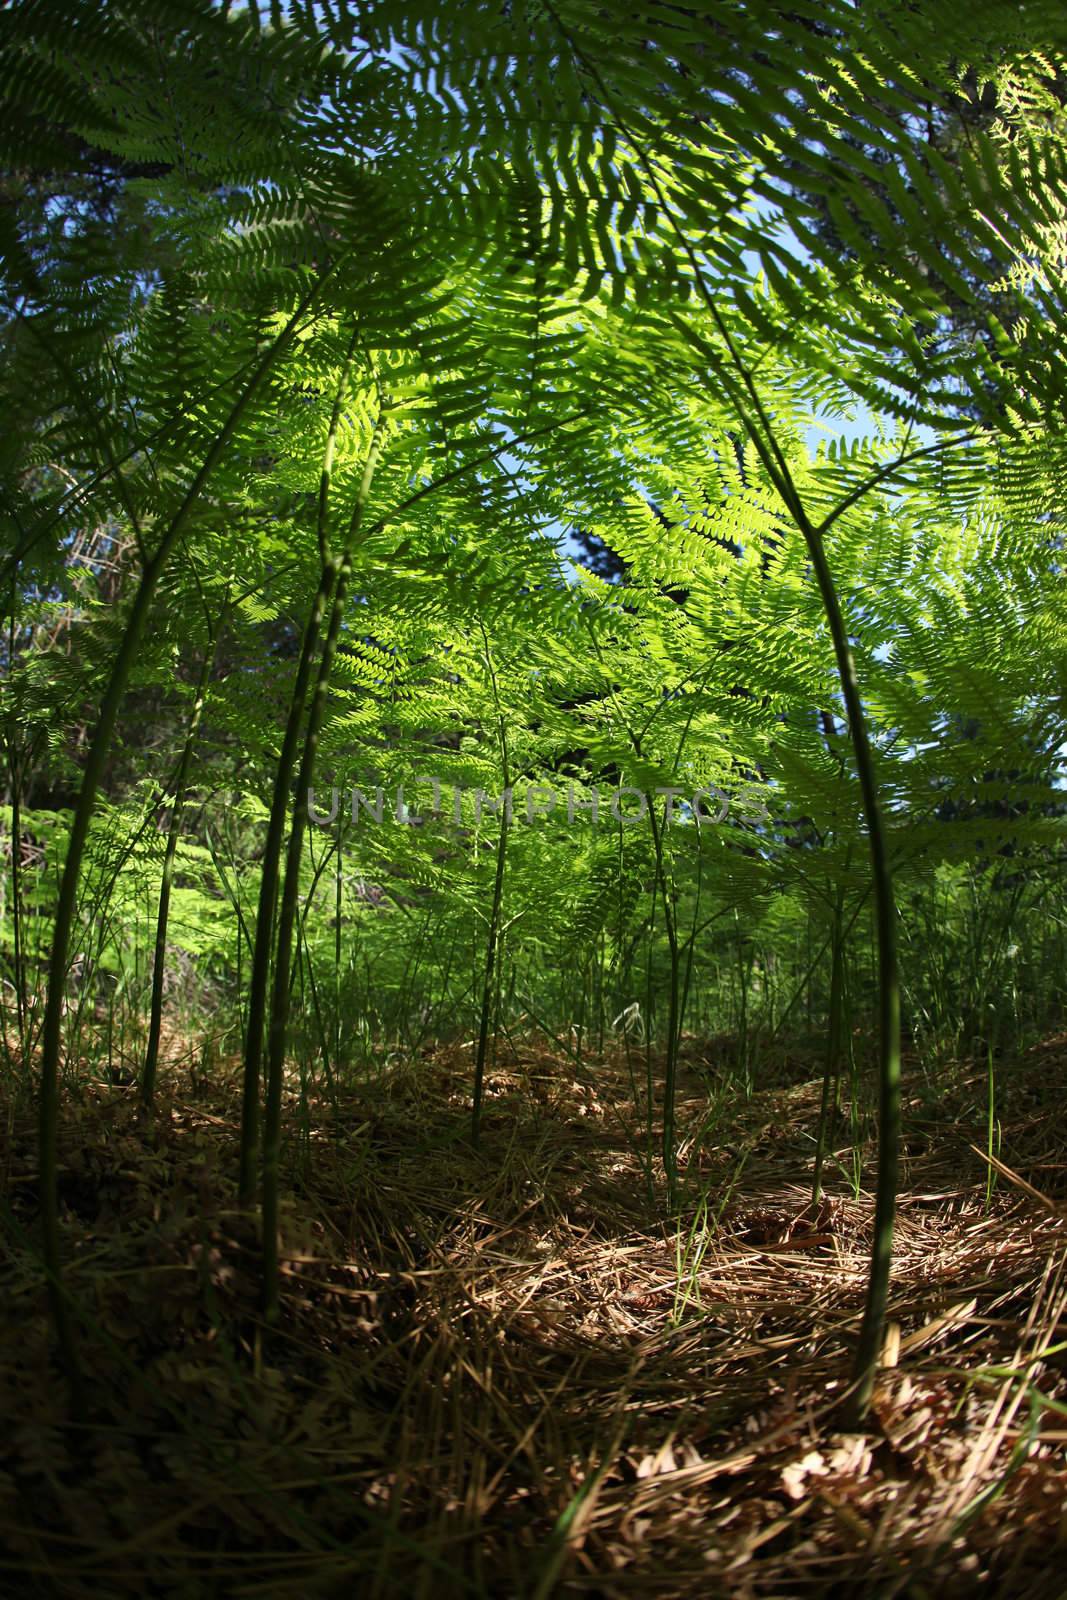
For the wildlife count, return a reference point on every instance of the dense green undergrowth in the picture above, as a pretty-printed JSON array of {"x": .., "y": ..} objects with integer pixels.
[{"x": 533, "y": 693}]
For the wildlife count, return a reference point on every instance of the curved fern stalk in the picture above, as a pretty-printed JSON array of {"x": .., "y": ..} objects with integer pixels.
[
  {"x": 493, "y": 936},
  {"x": 19, "y": 971},
  {"x": 341, "y": 566},
  {"x": 679, "y": 988},
  {"x": 679, "y": 991},
  {"x": 261, "y": 955},
  {"x": 760, "y": 431},
  {"x": 68, "y": 889},
  {"x": 177, "y": 813},
  {"x": 259, "y": 976},
  {"x": 758, "y": 427}
]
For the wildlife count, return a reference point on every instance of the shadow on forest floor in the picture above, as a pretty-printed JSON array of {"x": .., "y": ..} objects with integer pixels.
[{"x": 505, "y": 1373}]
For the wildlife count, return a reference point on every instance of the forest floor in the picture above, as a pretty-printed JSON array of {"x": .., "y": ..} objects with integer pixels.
[{"x": 504, "y": 1374}]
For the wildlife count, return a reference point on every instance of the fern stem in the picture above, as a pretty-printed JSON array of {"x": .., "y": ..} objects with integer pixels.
[
  {"x": 259, "y": 974},
  {"x": 761, "y": 432},
  {"x": 832, "y": 1064},
  {"x": 279, "y": 1017},
  {"x": 280, "y": 1002},
  {"x": 148, "y": 1072},
  {"x": 493, "y": 935},
  {"x": 869, "y": 1346},
  {"x": 270, "y": 873},
  {"x": 16, "y": 851},
  {"x": 670, "y": 1077},
  {"x": 491, "y": 941}
]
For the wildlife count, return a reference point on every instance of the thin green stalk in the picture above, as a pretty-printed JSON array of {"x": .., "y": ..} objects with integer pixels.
[
  {"x": 869, "y": 1346},
  {"x": 279, "y": 1016},
  {"x": 148, "y": 1073},
  {"x": 742, "y": 1004},
  {"x": 991, "y": 1125},
  {"x": 320, "y": 1023},
  {"x": 16, "y": 893},
  {"x": 832, "y": 1065},
  {"x": 338, "y": 884},
  {"x": 650, "y": 1098},
  {"x": 670, "y": 1077},
  {"x": 493, "y": 933},
  {"x": 690, "y": 943},
  {"x": 16, "y": 847}
]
